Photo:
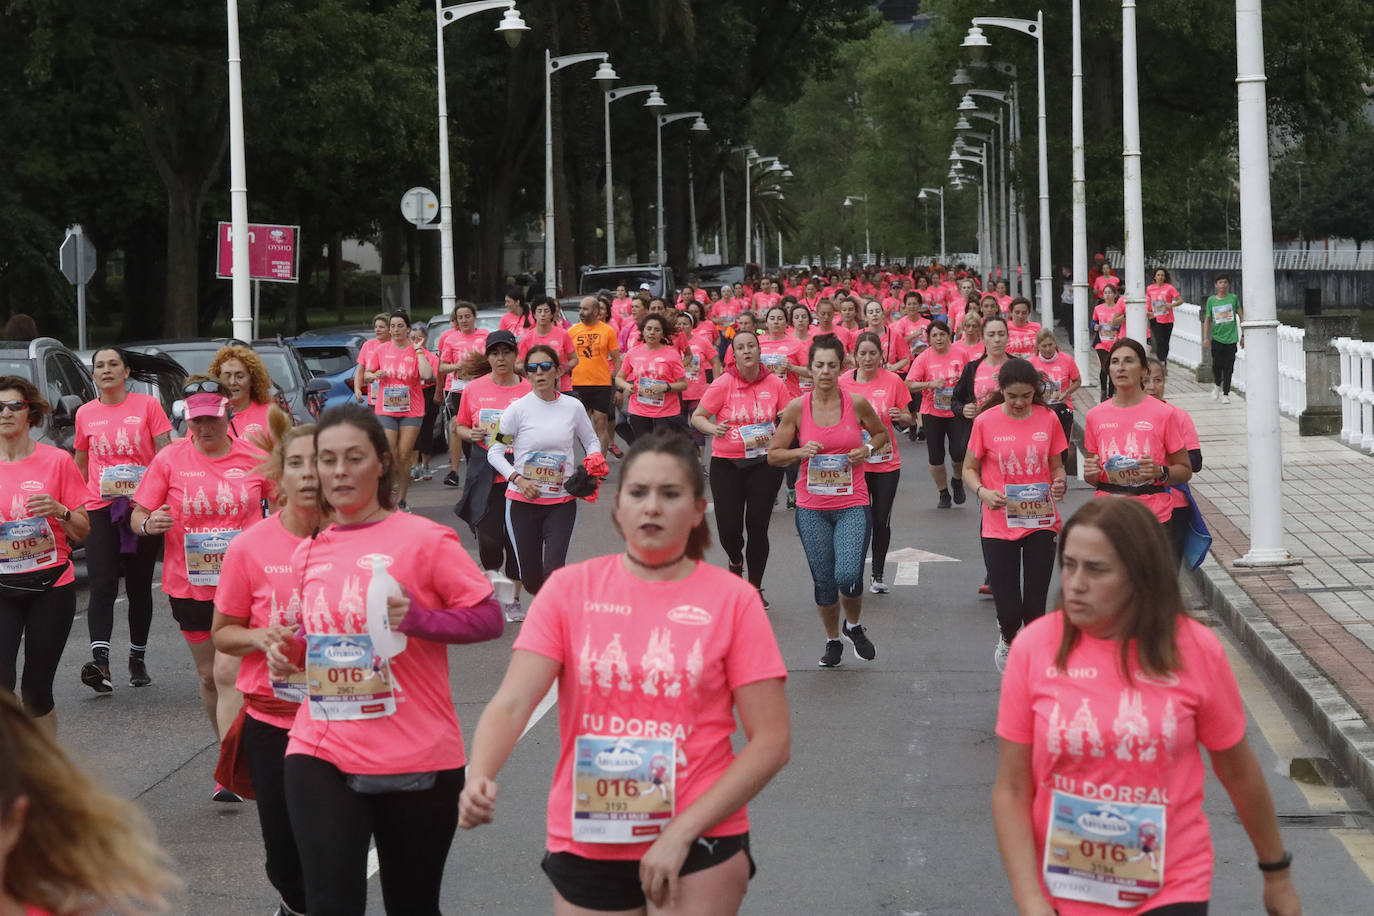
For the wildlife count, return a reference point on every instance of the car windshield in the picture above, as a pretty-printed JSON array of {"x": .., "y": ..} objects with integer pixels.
[
  {"x": 16, "y": 366},
  {"x": 718, "y": 275},
  {"x": 195, "y": 361},
  {"x": 327, "y": 360},
  {"x": 281, "y": 367},
  {"x": 630, "y": 278}
]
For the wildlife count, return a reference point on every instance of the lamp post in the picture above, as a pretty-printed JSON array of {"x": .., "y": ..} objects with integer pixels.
[
  {"x": 868, "y": 245},
  {"x": 663, "y": 121},
  {"x": 614, "y": 95},
  {"x": 957, "y": 157},
  {"x": 751, "y": 156},
  {"x": 989, "y": 201},
  {"x": 512, "y": 27},
  {"x": 604, "y": 74},
  {"x": 1082, "y": 304},
  {"x": 977, "y": 44},
  {"x": 238, "y": 185},
  {"x": 1003, "y": 190},
  {"x": 1016, "y": 220},
  {"x": 941, "y": 192},
  {"x": 1134, "y": 280}
]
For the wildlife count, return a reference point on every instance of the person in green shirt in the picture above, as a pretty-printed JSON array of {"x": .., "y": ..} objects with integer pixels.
[{"x": 1221, "y": 319}]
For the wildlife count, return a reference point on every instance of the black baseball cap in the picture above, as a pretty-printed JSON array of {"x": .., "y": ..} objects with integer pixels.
[{"x": 501, "y": 338}]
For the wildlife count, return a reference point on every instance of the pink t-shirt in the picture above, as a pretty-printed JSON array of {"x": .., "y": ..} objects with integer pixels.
[
  {"x": 648, "y": 660},
  {"x": 1113, "y": 280},
  {"x": 401, "y": 394},
  {"x": 1016, "y": 452},
  {"x": 1058, "y": 373},
  {"x": 751, "y": 410},
  {"x": 970, "y": 351},
  {"x": 894, "y": 345},
  {"x": 364, "y": 354},
  {"x": 251, "y": 424},
  {"x": 334, "y": 569},
  {"x": 206, "y": 496},
  {"x": 913, "y": 332},
  {"x": 1104, "y": 315},
  {"x": 1188, "y": 429},
  {"x": 775, "y": 355},
  {"x": 118, "y": 442},
  {"x": 1021, "y": 341},
  {"x": 559, "y": 340},
  {"x": 33, "y": 543},
  {"x": 944, "y": 368},
  {"x": 884, "y": 391},
  {"x": 643, "y": 367},
  {"x": 1159, "y": 295},
  {"x": 516, "y": 324},
  {"x": 259, "y": 584},
  {"x": 702, "y": 356},
  {"x": 1117, "y": 748},
  {"x": 1118, "y": 434},
  {"x": 483, "y": 403},
  {"x": 724, "y": 312},
  {"x": 620, "y": 308},
  {"x": 831, "y": 480},
  {"x": 985, "y": 381},
  {"x": 454, "y": 347},
  {"x": 765, "y": 301}
]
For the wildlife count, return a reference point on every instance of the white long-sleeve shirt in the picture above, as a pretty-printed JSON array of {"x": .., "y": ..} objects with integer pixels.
[{"x": 543, "y": 434}]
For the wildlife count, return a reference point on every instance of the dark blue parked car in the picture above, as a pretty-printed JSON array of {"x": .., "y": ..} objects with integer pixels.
[{"x": 332, "y": 356}]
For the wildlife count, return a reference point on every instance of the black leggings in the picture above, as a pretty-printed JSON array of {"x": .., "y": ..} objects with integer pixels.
[
  {"x": 333, "y": 824},
  {"x": 940, "y": 430},
  {"x": 642, "y": 426},
  {"x": 43, "y": 620},
  {"x": 493, "y": 540},
  {"x": 1198, "y": 908},
  {"x": 1163, "y": 332},
  {"x": 743, "y": 493},
  {"x": 264, "y": 747},
  {"x": 541, "y": 535},
  {"x": 1007, "y": 561},
  {"x": 1103, "y": 379},
  {"x": 1223, "y": 364},
  {"x": 1177, "y": 528},
  {"x": 104, "y": 565},
  {"x": 882, "y": 491}
]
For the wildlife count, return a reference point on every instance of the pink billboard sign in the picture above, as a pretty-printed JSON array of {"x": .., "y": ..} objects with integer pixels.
[{"x": 272, "y": 252}]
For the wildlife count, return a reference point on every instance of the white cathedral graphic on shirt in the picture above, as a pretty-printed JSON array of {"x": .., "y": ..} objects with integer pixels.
[
  {"x": 122, "y": 448},
  {"x": 226, "y": 504},
  {"x": 656, "y": 675},
  {"x": 1131, "y": 738}
]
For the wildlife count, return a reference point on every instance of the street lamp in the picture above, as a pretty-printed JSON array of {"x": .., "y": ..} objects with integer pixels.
[
  {"x": 1016, "y": 225},
  {"x": 512, "y": 27},
  {"x": 957, "y": 157},
  {"x": 751, "y": 156},
  {"x": 240, "y": 276},
  {"x": 868, "y": 245},
  {"x": 963, "y": 146},
  {"x": 605, "y": 73},
  {"x": 940, "y": 191},
  {"x": 977, "y": 43},
  {"x": 1003, "y": 183},
  {"x": 1136, "y": 320},
  {"x": 664, "y": 120},
  {"x": 614, "y": 95}
]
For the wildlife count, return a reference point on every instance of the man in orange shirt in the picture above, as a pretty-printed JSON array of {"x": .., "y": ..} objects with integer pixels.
[{"x": 598, "y": 360}]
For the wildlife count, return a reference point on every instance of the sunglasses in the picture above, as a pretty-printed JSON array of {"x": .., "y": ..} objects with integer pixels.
[
  {"x": 14, "y": 406},
  {"x": 206, "y": 386},
  {"x": 545, "y": 366}
]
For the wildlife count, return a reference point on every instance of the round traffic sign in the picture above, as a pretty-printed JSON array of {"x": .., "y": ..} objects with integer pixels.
[{"x": 419, "y": 206}]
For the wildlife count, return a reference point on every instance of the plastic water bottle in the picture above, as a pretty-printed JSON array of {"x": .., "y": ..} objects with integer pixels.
[
  {"x": 386, "y": 643},
  {"x": 503, "y": 588}
]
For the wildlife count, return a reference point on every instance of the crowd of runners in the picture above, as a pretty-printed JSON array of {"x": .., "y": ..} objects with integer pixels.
[{"x": 318, "y": 609}]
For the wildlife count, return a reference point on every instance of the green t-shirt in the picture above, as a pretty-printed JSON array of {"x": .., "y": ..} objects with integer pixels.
[{"x": 1223, "y": 310}]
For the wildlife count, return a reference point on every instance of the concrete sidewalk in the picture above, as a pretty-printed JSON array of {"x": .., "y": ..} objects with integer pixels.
[{"x": 1312, "y": 626}]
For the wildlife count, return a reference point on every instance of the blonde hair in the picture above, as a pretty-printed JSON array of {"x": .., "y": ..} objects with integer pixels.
[
  {"x": 260, "y": 388},
  {"x": 80, "y": 848},
  {"x": 1046, "y": 334},
  {"x": 283, "y": 434}
]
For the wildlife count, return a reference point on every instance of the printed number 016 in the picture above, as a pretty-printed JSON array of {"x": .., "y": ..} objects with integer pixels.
[{"x": 617, "y": 787}]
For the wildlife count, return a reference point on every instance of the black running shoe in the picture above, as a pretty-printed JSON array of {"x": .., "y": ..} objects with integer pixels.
[
  {"x": 957, "y": 486},
  {"x": 451, "y": 479},
  {"x": 138, "y": 672},
  {"x": 944, "y": 500},
  {"x": 97, "y": 677},
  {"x": 221, "y": 794},
  {"x": 766, "y": 605},
  {"x": 834, "y": 650},
  {"x": 863, "y": 646},
  {"x": 737, "y": 570}
]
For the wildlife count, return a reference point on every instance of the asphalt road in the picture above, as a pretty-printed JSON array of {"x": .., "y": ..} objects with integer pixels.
[{"x": 883, "y": 808}]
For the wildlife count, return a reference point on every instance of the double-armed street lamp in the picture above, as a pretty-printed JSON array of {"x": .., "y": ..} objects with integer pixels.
[
  {"x": 699, "y": 126},
  {"x": 925, "y": 192},
  {"x": 655, "y": 101},
  {"x": 868, "y": 245}
]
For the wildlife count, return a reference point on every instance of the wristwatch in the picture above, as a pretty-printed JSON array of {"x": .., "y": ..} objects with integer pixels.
[
  {"x": 67, "y": 515},
  {"x": 1163, "y": 474}
]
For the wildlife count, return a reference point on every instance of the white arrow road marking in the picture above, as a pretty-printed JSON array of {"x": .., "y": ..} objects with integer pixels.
[
  {"x": 908, "y": 574},
  {"x": 914, "y": 555}
]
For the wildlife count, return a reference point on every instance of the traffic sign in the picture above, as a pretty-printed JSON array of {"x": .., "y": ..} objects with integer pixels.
[
  {"x": 77, "y": 256},
  {"x": 272, "y": 252},
  {"x": 419, "y": 206}
]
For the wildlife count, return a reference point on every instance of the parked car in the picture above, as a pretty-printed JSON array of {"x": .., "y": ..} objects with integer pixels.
[
  {"x": 60, "y": 375},
  {"x": 714, "y": 276},
  {"x": 595, "y": 279},
  {"x": 332, "y": 356},
  {"x": 488, "y": 319},
  {"x": 305, "y": 395}
]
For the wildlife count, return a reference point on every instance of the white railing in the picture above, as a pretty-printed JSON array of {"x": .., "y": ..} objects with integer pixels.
[
  {"x": 1357, "y": 392},
  {"x": 1284, "y": 259},
  {"x": 1186, "y": 349}
]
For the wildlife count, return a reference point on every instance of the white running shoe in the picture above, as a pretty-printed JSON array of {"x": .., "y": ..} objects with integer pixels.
[
  {"x": 514, "y": 611},
  {"x": 999, "y": 655},
  {"x": 1216, "y": 392},
  {"x": 879, "y": 587},
  {"x": 1226, "y": 399}
]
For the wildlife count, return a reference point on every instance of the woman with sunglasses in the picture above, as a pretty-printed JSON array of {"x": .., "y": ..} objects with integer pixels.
[
  {"x": 117, "y": 436},
  {"x": 198, "y": 494},
  {"x": 542, "y": 428},
  {"x": 249, "y": 387},
  {"x": 42, "y": 509},
  {"x": 651, "y": 375},
  {"x": 401, "y": 368}
]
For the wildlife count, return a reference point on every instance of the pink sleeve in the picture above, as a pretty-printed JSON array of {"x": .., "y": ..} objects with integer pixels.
[
  {"x": 152, "y": 489},
  {"x": 542, "y": 631},
  {"x": 234, "y": 595},
  {"x": 81, "y": 440},
  {"x": 714, "y": 397},
  {"x": 975, "y": 439},
  {"x": 674, "y": 369},
  {"x": 1015, "y": 716},
  {"x": 1089, "y": 435},
  {"x": 1188, "y": 428},
  {"x": 156, "y": 419},
  {"x": 753, "y": 655},
  {"x": 1173, "y": 434},
  {"x": 1073, "y": 374},
  {"x": 374, "y": 360},
  {"x": 916, "y": 371},
  {"x": 1058, "y": 442},
  {"x": 464, "y": 415},
  {"x": 457, "y": 582},
  {"x": 73, "y": 488},
  {"x": 567, "y": 344},
  {"x": 1221, "y": 713}
]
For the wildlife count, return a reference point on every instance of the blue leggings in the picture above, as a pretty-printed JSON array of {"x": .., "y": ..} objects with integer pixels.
[{"x": 835, "y": 541}]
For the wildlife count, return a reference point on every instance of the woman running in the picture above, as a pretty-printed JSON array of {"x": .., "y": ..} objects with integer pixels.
[
  {"x": 258, "y": 604},
  {"x": 198, "y": 494},
  {"x": 1163, "y": 297},
  {"x": 701, "y": 365},
  {"x": 970, "y": 338},
  {"x": 249, "y": 387},
  {"x": 1014, "y": 467},
  {"x": 479, "y": 418},
  {"x": 1021, "y": 332},
  {"x": 1108, "y": 316},
  {"x": 43, "y": 506},
  {"x": 784, "y": 356},
  {"x": 1158, "y": 684},
  {"x": 895, "y": 351},
  {"x": 429, "y": 393},
  {"x": 745, "y": 402},
  {"x": 517, "y": 319},
  {"x": 400, "y": 368},
  {"x": 888, "y": 395},
  {"x": 381, "y": 329},
  {"x": 1132, "y": 442},
  {"x": 651, "y": 375},
  {"x": 455, "y": 347},
  {"x": 932, "y": 376},
  {"x": 680, "y": 838},
  {"x": 546, "y": 332},
  {"x": 117, "y": 436},
  {"x": 1156, "y": 378},
  {"x": 377, "y": 752},
  {"x": 833, "y": 518},
  {"x": 541, "y": 429},
  {"x": 1060, "y": 375}
]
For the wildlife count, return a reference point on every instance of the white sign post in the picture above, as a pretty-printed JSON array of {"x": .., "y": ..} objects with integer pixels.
[{"x": 77, "y": 258}]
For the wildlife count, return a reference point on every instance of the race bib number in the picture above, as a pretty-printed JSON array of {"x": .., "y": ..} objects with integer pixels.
[
  {"x": 120, "y": 480},
  {"x": 1106, "y": 333},
  {"x": 1029, "y": 505},
  {"x": 942, "y": 398},
  {"x": 1106, "y": 853},
  {"x": 756, "y": 437},
  {"x": 546, "y": 470},
  {"x": 624, "y": 789},
  {"x": 345, "y": 680},
  {"x": 488, "y": 422},
  {"x": 776, "y": 363},
  {"x": 829, "y": 475},
  {"x": 650, "y": 392},
  {"x": 26, "y": 544},
  {"x": 396, "y": 399},
  {"x": 294, "y": 689},
  {"x": 205, "y": 555},
  {"x": 1122, "y": 471},
  {"x": 1223, "y": 314},
  {"x": 805, "y": 384},
  {"x": 1159, "y": 307},
  {"x": 881, "y": 455},
  {"x": 1054, "y": 390}
]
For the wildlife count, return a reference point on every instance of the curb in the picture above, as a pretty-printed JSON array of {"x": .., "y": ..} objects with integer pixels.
[{"x": 1341, "y": 728}]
